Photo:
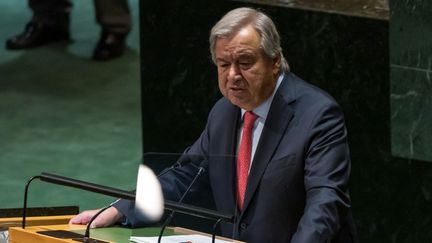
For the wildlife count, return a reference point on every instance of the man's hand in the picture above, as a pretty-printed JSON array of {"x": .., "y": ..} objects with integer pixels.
[{"x": 106, "y": 218}]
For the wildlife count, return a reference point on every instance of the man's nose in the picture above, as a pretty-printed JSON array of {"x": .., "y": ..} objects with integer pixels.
[{"x": 234, "y": 72}]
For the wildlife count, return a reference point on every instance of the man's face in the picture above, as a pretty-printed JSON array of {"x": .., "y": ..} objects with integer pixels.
[{"x": 247, "y": 77}]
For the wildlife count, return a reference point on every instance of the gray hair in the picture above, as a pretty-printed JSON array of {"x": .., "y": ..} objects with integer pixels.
[{"x": 235, "y": 19}]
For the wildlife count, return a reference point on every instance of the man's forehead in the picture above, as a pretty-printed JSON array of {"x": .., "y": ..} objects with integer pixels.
[{"x": 238, "y": 50}]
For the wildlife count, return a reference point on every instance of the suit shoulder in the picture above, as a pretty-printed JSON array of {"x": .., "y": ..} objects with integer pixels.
[
  {"x": 306, "y": 93},
  {"x": 221, "y": 105}
]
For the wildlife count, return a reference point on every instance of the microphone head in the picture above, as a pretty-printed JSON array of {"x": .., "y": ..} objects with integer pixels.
[{"x": 149, "y": 201}]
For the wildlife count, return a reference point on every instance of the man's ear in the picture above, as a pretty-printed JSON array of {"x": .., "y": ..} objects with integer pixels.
[{"x": 277, "y": 64}]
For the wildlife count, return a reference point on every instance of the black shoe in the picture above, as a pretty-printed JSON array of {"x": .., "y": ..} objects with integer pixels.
[
  {"x": 36, "y": 34},
  {"x": 109, "y": 46}
]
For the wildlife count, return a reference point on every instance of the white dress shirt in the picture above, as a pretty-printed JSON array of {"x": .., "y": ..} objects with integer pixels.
[{"x": 261, "y": 111}]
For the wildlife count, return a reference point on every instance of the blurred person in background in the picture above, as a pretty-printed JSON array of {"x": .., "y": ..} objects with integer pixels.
[{"x": 51, "y": 23}]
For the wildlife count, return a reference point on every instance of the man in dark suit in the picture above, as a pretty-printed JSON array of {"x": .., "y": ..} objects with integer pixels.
[{"x": 289, "y": 180}]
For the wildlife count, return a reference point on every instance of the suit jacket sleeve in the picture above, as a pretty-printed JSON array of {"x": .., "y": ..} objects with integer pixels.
[{"x": 326, "y": 175}]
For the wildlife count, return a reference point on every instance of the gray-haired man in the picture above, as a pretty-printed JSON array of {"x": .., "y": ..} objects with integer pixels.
[{"x": 289, "y": 182}]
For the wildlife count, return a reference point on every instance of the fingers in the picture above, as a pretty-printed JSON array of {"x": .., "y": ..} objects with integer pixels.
[
  {"x": 106, "y": 218},
  {"x": 83, "y": 218}
]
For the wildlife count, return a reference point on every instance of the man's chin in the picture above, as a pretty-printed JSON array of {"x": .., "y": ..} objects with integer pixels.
[{"x": 240, "y": 103}]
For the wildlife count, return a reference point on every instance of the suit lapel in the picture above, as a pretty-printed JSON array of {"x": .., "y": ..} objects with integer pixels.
[
  {"x": 224, "y": 155},
  {"x": 278, "y": 118}
]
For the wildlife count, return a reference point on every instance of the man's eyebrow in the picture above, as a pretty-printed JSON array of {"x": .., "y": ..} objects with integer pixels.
[
  {"x": 244, "y": 51},
  {"x": 221, "y": 59},
  {"x": 245, "y": 54}
]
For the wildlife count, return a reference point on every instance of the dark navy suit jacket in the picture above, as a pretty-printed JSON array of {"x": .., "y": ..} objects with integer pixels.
[{"x": 297, "y": 189}]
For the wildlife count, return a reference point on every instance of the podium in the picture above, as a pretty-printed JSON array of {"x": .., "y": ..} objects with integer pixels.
[
  {"x": 64, "y": 232},
  {"x": 116, "y": 234}
]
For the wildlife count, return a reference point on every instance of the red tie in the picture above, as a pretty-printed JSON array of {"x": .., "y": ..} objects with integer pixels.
[{"x": 244, "y": 156}]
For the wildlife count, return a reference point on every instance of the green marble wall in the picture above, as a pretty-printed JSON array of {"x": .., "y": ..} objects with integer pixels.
[
  {"x": 411, "y": 84},
  {"x": 377, "y": 9},
  {"x": 345, "y": 55}
]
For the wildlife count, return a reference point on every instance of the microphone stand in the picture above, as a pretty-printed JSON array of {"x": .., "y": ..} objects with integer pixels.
[
  {"x": 25, "y": 199},
  {"x": 171, "y": 216},
  {"x": 214, "y": 229},
  {"x": 87, "y": 232}
]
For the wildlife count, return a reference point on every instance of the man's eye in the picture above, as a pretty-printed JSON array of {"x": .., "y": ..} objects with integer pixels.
[
  {"x": 224, "y": 65},
  {"x": 245, "y": 64}
]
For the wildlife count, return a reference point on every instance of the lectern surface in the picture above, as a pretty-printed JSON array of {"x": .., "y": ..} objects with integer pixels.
[
  {"x": 55, "y": 223},
  {"x": 110, "y": 234}
]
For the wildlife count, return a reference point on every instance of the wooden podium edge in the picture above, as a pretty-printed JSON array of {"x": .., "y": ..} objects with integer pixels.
[
  {"x": 30, "y": 234},
  {"x": 33, "y": 221},
  {"x": 41, "y": 223}
]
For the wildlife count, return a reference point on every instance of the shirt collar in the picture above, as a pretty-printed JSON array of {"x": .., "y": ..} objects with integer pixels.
[{"x": 262, "y": 110}]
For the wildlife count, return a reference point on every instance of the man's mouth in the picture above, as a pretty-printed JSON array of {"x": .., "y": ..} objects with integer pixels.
[
  {"x": 236, "y": 88},
  {"x": 237, "y": 91}
]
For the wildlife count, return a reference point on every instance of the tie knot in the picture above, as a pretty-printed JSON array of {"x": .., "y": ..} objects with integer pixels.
[{"x": 249, "y": 119}]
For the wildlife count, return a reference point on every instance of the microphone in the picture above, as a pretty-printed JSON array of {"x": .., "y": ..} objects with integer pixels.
[
  {"x": 171, "y": 216},
  {"x": 109, "y": 191},
  {"x": 176, "y": 165}
]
